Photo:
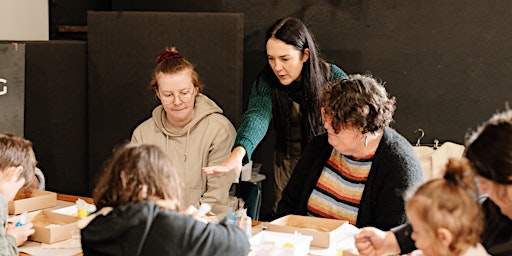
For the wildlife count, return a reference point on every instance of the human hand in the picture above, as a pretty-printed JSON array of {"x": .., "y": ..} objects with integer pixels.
[
  {"x": 197, "y": 214},
  {"x": 20, "y": 233},
  {"x": 375, "y": 242},
  {"x": 233, "y": 161}
]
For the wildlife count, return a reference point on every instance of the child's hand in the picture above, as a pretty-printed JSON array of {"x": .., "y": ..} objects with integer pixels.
[
  {"x": 20, "y": 233},
  {"x": 373, "y": 241}
]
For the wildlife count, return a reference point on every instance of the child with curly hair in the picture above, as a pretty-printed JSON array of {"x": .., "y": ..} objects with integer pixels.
[{"x": 445, "y": 216}]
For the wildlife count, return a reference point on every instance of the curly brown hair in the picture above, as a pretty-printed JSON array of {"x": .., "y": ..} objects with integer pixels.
[
  {"x": 358, "y": 101},
  {"x": 138, "y": 172}
]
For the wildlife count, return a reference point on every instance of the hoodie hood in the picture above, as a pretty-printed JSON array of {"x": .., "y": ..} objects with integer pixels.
[
  {"x": 203, "y": 107},
  {"x": 127, "y": 225},
  {"x": 119, "y": 221},
  {"x": 206, "y": 140}
]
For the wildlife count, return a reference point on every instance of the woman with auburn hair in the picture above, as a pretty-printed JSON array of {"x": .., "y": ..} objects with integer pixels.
[{"x": 191, "y": 129}]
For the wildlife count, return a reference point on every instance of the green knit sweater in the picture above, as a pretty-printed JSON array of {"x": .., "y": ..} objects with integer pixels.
[{"x": 256, "y": 119}]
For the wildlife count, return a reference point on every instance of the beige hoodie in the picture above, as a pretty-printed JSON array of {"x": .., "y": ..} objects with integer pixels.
[{"x": 207, "y": 140}]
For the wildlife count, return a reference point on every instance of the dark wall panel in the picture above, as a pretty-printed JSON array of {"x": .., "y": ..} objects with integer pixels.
[
  {"x": 122, "y": 50},
  {"x": 447, "y": 63},
  {"x": 168, "y": 5},
  {"x": 56, "y": 113}
]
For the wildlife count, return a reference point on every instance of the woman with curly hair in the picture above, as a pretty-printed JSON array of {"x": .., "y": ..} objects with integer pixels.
[
  {"x": 359, "y": 169},
  {"x": 139, "y": 197}
]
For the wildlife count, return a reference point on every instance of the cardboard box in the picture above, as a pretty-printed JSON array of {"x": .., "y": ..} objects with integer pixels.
[
  {"x": 51, "y": 227},
  {"x": 38, "y": 200},
  {"x": 324, "y": 231}
]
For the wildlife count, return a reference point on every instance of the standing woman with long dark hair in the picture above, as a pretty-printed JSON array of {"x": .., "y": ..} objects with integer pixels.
[{"x": 286, "y": 91}]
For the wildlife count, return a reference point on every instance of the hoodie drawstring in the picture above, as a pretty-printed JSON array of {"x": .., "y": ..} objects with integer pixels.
[{"x": 186, "y": 144}]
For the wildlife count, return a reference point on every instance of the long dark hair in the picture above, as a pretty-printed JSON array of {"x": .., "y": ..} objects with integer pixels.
[
  {"x": 489, "y": 148},
  {"x": 314, "y": 76}
]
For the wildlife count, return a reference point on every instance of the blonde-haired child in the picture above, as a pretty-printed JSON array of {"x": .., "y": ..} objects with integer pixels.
[
  {"x": 17, "y": 164},
  {"x": 445, "y": 215}
]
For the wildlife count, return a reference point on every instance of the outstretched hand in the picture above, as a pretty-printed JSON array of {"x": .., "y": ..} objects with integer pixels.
[
  {"x": 216, "y": 169},
  {"x": 233, "y": 162}
]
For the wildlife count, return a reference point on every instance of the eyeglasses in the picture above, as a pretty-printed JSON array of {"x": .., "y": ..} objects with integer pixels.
[{"x": 184, "y": 96}]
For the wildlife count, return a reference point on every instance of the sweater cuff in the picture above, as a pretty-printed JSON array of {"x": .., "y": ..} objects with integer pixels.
[
  {"x": 12, "y": 243},
  {"x": 248, "y": 146},
  {"x": 403, "y": 237}
]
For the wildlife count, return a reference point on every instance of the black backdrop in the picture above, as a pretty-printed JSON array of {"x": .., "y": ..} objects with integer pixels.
[
  {"x": 122, "y": 50},
  {"x": 447, "y": 62},
  {"x": 56, "y": 114}
]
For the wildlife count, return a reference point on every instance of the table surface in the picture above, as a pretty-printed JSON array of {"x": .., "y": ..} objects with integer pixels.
[{"x": 71, "y": 199}]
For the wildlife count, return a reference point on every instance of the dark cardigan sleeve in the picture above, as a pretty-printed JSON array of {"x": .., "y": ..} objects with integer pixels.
[
  {"x": 403, "y": 237},
  {"x": 395, "y": 169},
  {"x": 304, "y": 177}
]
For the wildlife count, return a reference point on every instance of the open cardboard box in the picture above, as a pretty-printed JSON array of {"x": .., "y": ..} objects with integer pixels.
[
  {"x": 324, "y": 231},
  {"x": 51, "y": 227},
  {"x": 38, "y": 200}
]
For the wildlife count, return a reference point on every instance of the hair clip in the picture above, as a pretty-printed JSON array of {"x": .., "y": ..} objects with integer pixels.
[{"x": 168, "y": 54}]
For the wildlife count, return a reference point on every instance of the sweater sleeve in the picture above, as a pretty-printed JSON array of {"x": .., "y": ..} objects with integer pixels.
[
  {"x": 256, "y": 119},
  {"x": 395, "y": 170},
  {"x": 336, "y": 73},
  {"x": 403, "y": 237},
  {"x": 7, "y": 242}
]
